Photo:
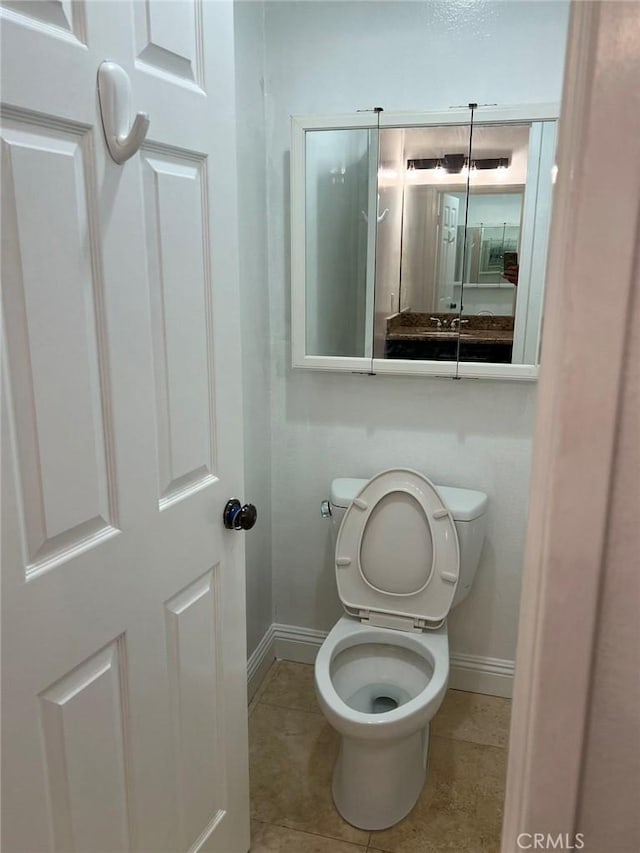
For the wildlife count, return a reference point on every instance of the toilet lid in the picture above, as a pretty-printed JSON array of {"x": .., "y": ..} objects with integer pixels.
[{"x": 397, "y": 552}]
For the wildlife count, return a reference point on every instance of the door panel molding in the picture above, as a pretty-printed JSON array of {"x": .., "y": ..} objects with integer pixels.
[
  {"x": 84, "y": 726},
  {"x": 56, "y": 335},
  {"x": 193, "y": 620},
  {"x": 65, "y": 19},
  {"x": 177, "y": 222},
  {"x": 170, "y": 46}
]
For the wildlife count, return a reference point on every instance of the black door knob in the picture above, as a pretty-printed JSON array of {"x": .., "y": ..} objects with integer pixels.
[{"x": 239, "y": 517}]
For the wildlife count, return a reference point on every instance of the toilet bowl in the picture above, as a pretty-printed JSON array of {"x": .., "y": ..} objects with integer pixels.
[
  {"x": 379, "y": 688},
  {"x": 382, "y": 672}
]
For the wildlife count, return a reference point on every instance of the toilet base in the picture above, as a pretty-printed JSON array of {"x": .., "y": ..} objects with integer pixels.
[{"x": 377, "y": 783}]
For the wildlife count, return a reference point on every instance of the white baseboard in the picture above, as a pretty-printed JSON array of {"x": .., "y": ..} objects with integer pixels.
[
  {"x": 298, "y": 644},
  {"x": 260, "y": 660},
  {"x": 492, "y": 676}
]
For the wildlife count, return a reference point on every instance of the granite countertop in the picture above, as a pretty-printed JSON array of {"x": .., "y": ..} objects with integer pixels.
[
  {"x": 479, "y": 329},
  {"x": 472, "y": 336}
]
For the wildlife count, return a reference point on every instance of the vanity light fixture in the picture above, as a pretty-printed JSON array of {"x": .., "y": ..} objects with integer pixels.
[{"x": 458, "y": 163}]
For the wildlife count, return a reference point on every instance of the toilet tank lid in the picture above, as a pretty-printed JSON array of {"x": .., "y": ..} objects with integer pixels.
[{"x": 464, "y": 504}]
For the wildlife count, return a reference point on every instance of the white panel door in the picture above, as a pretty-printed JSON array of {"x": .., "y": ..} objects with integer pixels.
[
  {"x": 124, "y": 688},
  {"x": 448, "y": 241}
]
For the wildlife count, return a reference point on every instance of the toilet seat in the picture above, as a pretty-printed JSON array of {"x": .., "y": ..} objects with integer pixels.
[{"x": 397, "y": 553}]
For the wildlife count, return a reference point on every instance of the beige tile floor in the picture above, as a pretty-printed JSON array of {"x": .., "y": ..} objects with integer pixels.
[{"x": 293, "y": 749}]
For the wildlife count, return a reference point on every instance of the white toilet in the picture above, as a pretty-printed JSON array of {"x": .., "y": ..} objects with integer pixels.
[{"x": 406, "y": 553}]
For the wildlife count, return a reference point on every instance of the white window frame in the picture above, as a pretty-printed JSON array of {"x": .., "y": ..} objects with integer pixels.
[{"x": 535, "y": 231}]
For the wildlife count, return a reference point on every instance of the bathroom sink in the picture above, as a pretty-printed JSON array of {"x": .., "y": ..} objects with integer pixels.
[{"x": 440, "y": 333}]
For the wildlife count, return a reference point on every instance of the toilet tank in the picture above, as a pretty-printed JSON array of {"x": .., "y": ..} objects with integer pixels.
[{"x": 467, "y": 506}]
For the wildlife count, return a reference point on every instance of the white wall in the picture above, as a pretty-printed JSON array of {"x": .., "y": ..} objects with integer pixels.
[
  {"x": 499, "y": 300},
  {"x": 493, "y": 209},
  {"x": 254, "y": 305},
  {"x": 340, "y": 57}
]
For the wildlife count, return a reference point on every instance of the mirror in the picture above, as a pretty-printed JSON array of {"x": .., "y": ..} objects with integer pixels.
[
  {"x": 422, "y": 175},
  {"x": 337, "y": 183},
  {"x": 419, "y": 246},
  {"x": 460, "y": 238},
  {"x": 433, "y": 216},
  {"x": 493, "y": 241}
]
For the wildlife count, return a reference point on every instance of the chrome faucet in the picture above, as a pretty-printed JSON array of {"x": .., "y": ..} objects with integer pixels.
[
  {"x": 457, "y": 320},
  {"x": 437, "y": 320}
]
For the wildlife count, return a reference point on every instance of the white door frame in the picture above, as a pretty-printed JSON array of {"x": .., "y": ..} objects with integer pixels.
[{"x": 577, "y": 422}]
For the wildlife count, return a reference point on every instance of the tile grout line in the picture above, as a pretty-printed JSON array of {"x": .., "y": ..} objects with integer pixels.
[
  {"x": 289, "y": 708},
  {"x": 467, "y": 740},
  {"x": 316, "y": 834}
]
